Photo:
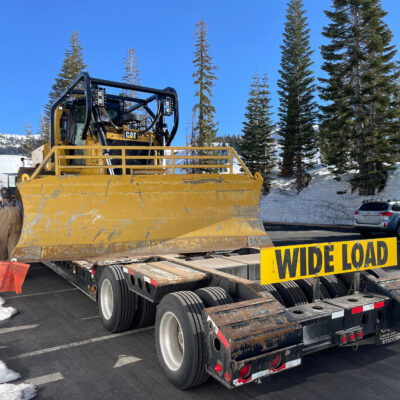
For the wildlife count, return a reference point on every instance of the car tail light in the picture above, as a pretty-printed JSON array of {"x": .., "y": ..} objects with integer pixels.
[
  {"x": 356, "y": 213},
  {"x": 386, "y": 214}
]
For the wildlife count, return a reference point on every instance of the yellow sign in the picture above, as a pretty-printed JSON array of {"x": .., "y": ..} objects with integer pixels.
[{"x": 289, "y": 263}]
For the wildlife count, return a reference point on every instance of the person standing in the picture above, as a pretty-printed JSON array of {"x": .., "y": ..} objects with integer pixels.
[{"x": 10, "y": 223}]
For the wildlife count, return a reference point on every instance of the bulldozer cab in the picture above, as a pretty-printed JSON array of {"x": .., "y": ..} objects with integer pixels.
[{"x": 111, "y": 185}]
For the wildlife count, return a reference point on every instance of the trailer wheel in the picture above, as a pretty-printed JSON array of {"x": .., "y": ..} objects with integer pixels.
[
  {"x": 291, "y": 293},
  {"x": 271, "y": 289},
  {"x": 145, "y": 313},
  {"x": 307, "y": 287},
  {"x": 334, "y": 285},
  {"x": 116, "y": 303},
  {"x": 214, "y": 296},
  {"x": 379, "y": 273},
  {"x": 180, "y": 339}
]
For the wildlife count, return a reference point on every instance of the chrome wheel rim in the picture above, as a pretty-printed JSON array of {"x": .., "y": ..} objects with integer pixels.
[
  {"x": 107, "y": 299},
  {"x": 172, "y": 341}
]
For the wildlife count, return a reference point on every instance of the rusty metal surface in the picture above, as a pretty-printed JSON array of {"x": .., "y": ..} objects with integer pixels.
[
  {"x": 99, "y": 216},
  {"x": 255, "y": 326},
  {"x": 165, "y": 273}
]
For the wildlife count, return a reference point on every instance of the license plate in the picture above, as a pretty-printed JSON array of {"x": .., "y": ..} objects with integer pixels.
[{"x": 386, "y": 336}]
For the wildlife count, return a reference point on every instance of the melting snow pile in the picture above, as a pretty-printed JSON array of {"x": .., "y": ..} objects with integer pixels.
[
  {"x": 6, "y": 312},
  {"x": 8, "y": 391},
  {"x": 324, "y": 201}
]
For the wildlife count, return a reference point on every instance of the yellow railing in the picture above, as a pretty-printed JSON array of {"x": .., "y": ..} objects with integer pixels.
[{"x": 165, "y": 159}]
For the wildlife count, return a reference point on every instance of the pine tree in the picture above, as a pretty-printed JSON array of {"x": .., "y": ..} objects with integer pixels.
[
  {"x": 131, "y": 71},
  {"x": 298, "y": 110},
  {"x": 257, "y": 146},
  {"x": 360, "y": 124},
  {"x": 205, "y": 128},
  {"x": 30, "y": 143},
  {"x": 72, "y": 66}
]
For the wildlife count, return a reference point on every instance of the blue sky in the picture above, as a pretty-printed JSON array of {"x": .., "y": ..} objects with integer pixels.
[{"x": 244, "y": 36}]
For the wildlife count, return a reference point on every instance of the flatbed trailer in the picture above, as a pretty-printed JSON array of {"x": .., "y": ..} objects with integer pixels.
[{"x": 213, "y": 317}]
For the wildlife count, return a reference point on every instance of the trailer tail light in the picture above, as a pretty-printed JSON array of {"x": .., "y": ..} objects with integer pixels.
[
  {"x": 276, "y": 362},
  {"x": 245, "y": 371},
  {"x": 227, "y": 377},
  {"x": 360, "y": 335},
  {"x": 356, "y": 213},
  {"x": 93, "y": 270},
  {"x": 386, "y": 214},
  {"x": 344, "y": 339},
  {"x": 218, "y": 368},
  {"x": 352, "y": 337}
]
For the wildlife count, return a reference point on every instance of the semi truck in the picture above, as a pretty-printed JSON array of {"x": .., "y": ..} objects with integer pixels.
[{"x": 172, "y": 236}]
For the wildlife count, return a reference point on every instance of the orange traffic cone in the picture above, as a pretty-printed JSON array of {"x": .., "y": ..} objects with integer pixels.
[{"x": 12, "y": 276}]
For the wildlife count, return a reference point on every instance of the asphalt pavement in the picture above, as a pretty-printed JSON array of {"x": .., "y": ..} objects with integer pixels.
[{"x": 57, "y": 342}]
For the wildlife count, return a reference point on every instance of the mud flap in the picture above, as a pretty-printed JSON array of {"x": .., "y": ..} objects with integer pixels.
[{"x": 12, "y": 276}]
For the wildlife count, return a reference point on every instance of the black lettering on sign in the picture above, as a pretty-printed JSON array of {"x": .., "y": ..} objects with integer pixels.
[
  {"x": 328, "y": 258},
  {"x": 314, "y": 260},
  {"x": 382, "y": 253},
  {"x": 345, "y": 264},
  {"x": 288, "y": 263},
  {"x": 303, "y": 261},
  {"x": 370, "y": 259},
  {"x": 357, "y": 261}
]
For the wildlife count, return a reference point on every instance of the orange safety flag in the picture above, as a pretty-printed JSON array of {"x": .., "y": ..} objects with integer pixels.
[{"x": 12, "y": 276}]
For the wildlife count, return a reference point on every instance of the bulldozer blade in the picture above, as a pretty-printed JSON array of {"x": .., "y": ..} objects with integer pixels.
[{"x": 95, "y": 216}]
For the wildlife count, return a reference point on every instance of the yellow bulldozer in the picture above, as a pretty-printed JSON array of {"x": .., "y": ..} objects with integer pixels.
[{"x": 111, "y": 185}]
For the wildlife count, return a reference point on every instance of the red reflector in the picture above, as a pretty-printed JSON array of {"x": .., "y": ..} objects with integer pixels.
[
  {"x": 360, "y": 335},
  {"x": 276, "y": 361},
  {"x": 344, "y": 339},
  {"x": 245, "y": 371},
  {"x": 227, "y": 377},
  {"x": 352, "y": 336},
  {"x": 357, "y": 310},
  {"x": 93, "y": 270},
  {"x": 379, "y": 304},
  {"x": 356, "y": 213},
  {"x": 386, "y": 214},
  {"x": 218, "y": 368},
  {"x": 153, "y": 282}
]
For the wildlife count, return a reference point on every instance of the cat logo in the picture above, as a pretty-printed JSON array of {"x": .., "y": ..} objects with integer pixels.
[{"x": 289, "y": 263}]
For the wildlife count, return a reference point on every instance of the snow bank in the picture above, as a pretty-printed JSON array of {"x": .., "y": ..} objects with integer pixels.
[
  {"x": 8, "y": 391},
  {"x": 324, "y": 201}
]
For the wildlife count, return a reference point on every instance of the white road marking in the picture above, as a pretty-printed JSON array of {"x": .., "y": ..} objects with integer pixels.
[
  {"x": 41, "y": 380},
  {"x": 77, "y": 344},
  {"x": 17, "y": 328},
  {"x": 94, "y": 316},
  {"x": 125, "y": 360},
  {"x": 40, "y": 294}
]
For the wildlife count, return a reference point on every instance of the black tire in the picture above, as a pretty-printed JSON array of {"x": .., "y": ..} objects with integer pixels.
[
  {"x": 214, "y": 296},
  {"x": 397, "y": 232},
  {"x": 271, "y": 289},
  {"x": 379, "y": 273},
  {"x": 291, "y": 293},
  {"x": 365, "y": 234},
  {"x": 334, "y": 285},
  {"x": 145, "y": 313},
  {"x": 179, "y": 316},
  {"x": 116, "y": 303},
  {"x": 307, "y": 287}
]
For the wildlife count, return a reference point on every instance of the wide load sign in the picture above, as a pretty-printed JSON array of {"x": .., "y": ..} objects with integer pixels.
[{"x": 288, "y": 263}]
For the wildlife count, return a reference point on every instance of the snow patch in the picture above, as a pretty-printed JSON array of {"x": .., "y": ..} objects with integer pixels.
[
  {"x": 21, "y": 391},
  {"x": 6, "y": 312}
]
